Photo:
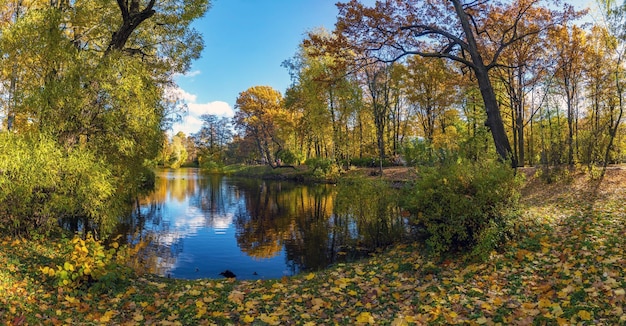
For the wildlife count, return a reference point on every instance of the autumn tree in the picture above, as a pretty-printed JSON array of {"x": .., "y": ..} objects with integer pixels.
[
  {"x": 213, "y": 137},
  {"x": 472, "y": 33},
  {"x": 614, "y": 19},
  {"x": 95, "y": 76},
  {"x": 324, "y": 95},
  {"x": 431, "y": 91},
  {"x": 570, "y": 46},
  {"x": 259, "y": 115}
]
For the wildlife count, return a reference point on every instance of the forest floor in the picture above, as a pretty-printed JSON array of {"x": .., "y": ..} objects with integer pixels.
[{"x": 568, "y": 269}]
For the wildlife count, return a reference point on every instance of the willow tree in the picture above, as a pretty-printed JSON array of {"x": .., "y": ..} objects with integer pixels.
[
  {"x": 93, "y": 77},
  {"x": 95, "y": 74},
  {"x": 472, "y": 33}
]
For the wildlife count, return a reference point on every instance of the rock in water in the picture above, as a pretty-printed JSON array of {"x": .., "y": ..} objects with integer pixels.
[{"x": 227, "y": 273}]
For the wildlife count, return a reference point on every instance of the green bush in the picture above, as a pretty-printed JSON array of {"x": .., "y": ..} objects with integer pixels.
[
  {"x": 287, "y": 157},
  {"x": 324, "y": 168},
  {"x": 371, "y": 162},
  {"x": 466, "y": 206},
  {"x": 211, "y": 166},
  {"x": 41, "y": 183},
  {"x": 87, "y": 262}
]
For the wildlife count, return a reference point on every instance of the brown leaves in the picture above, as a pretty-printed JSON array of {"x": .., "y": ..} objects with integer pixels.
[{"x": 558, "y": 274}]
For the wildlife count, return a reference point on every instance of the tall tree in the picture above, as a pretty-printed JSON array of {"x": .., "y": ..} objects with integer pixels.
[
  {"x": 258, "y": 116},
  {"x": 213, "y": 137},
  {"x": 96, "y": 75},
  {"x": 614, "y": 16},
  {"x": 473, "y": 33},
  {"x": 570, "y": 45}
]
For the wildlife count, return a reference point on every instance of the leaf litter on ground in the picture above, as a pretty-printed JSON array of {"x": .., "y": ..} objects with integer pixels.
[{"x": 569, "y": 268}]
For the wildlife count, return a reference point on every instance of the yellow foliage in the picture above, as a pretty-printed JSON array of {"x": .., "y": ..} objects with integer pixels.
[
  {"x": 365, "y": 318},
  {"x": 584, "y": 315}
]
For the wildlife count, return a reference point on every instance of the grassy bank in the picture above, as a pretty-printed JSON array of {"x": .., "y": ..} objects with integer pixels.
[{"x": 569, "y": 268}]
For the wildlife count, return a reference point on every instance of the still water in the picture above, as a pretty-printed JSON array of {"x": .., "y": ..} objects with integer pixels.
[{"x": 197, "y": 225}]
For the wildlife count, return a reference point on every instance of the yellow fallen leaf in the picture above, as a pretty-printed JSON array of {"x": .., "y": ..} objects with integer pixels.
[
  {"x": 310, "y": 276},
  {"x": 584, "y": 315},
  {"x": 365, "y": 317},
  {"x": 248, "y": 319},
  {"x": 137, "y": 316},
  {"x": 620, "y": 292},
  {"x": 399, "y": 321},
  {"x": 544, "y": 303},
  {"x": 107, "y": 316},
  {"x": 272, "y": 320},
  {"x": 481, "y": 320}
]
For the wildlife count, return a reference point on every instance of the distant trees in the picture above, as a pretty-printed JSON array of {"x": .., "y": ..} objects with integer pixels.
[
  {"x": 213, "y": 138},
  {"x": 391, "y": 30},
  {"x": 441, "y": 76}
]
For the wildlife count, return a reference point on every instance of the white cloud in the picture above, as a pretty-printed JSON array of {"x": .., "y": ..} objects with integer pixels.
[
  {"x": 217, "y": 107},
  {"x": 191, "y": 122},
  {"x": 181, "y": 94},
  {"x": 192, "y": 73}
]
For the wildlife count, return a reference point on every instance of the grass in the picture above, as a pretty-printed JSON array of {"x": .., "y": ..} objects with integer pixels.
[{"x": 568, "y": 269}]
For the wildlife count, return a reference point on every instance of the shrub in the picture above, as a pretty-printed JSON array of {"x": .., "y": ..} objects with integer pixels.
[
  {"x": 324, "y": 168},
  {"x": 211, "y": 166},
  {"x": 40, "y": 183},
  {"x": 466, "y": 206},
  {"x": 371, "y": 162},
  {"x": 287, "y": 157},
  {"x": 87, "y": 262}
]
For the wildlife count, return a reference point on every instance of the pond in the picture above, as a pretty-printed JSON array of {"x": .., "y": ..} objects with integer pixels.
[{"x": 197, "y": 226}]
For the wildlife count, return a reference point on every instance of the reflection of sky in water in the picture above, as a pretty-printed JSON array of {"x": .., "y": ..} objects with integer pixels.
[
  {"x": 202, "y": 225},
  {"x": 194, "y": 226}
]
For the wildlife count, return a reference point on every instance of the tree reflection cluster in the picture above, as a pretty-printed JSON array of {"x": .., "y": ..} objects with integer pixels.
[{"x": 314, "y": 225}]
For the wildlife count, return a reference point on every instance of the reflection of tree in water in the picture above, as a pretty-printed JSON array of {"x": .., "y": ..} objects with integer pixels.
[
  {"x": 213, "y": 196},
  {"x": 310, "y": 244},
  {"x": 367, "y": 212},
  {"x": 147, "y": 229},
  {"x": 316, "y": 225},
  {"x": 266, "y": 218}
]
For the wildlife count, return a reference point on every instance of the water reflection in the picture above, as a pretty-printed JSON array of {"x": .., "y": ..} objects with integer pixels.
[{"x": 200, "y": 225}]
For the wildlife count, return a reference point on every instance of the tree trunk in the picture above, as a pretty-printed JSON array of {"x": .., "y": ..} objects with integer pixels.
[{"x": 494, "y": 118}]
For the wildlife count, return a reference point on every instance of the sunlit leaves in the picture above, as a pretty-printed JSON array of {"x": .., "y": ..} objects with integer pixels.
[
  {"x": 260, "y": 116},
  {"x": 566, "y": 270}
]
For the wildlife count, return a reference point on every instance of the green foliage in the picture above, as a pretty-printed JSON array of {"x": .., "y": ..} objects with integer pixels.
[
  {"x": 369, "y": 162},
  {"x": 211, "y": 166},
  {"x": 466, "y": 205},
  {"x": 41, "y": 182},
  {"x": 287, "y": 157},
  {"x": 318, "y": 163},
  {"x": 417, "y": 152},
  {"x": 88, "y": 261},
  {"x": 323, "y": 168}
]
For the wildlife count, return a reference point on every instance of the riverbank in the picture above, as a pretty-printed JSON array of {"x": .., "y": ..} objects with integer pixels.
[
  {"x": 303, "y": 173},
  {"x": 567, "y": 269}
]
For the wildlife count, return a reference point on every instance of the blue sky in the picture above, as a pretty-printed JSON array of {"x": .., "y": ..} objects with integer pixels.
[{"x": 245, "y": 43}]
